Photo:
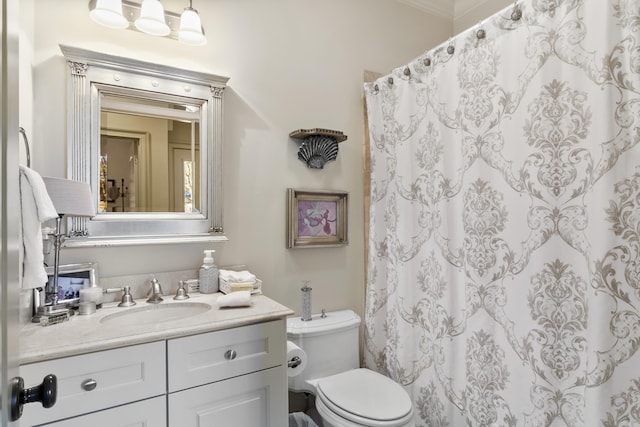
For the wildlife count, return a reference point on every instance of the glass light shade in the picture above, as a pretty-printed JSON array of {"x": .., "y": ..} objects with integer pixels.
[
  {"x": 191, "y": 28},
  {"x": 151, "y": 20},
  {"x": 109, "y": 14}
]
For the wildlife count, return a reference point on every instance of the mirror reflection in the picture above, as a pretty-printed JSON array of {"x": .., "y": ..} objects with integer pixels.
[{"x": 149, "y": 155}]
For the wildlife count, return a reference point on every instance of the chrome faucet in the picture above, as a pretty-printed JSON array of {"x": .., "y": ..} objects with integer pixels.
[{"x": 155, "y": 293}]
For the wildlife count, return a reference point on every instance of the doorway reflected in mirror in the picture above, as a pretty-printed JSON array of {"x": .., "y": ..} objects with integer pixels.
[{"x": 150, "y": 149}]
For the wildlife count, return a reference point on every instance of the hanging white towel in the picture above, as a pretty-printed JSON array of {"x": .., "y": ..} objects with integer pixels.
[{"x": 36, "y": 208}]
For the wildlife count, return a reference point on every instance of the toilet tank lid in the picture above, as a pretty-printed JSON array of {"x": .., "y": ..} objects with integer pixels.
[{"x": 334, "y": 321}]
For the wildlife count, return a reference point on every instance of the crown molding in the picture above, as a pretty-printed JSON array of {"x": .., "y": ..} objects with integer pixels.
[
  {"x": 450, "y": 9},
  {"x": 462, "y": 7},
  {"x": 443, "y": 8}
]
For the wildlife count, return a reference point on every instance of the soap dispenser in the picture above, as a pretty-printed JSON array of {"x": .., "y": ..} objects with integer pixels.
[{"x": 208, "y": 274}]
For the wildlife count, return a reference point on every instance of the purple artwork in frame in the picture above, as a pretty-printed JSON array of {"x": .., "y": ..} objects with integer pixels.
[{"x": 316, "y": 218}]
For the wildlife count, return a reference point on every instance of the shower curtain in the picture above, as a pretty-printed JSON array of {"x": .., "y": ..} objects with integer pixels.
[{"x": 503, "y": 284}]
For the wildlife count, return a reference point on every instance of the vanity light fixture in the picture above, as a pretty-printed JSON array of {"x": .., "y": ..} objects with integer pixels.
[
  {"x": 150, "y": 17},
  {"x": 191, "y": 31},
  {"x": 70, "y": 198},
  {"x": 109, "y": 14}
]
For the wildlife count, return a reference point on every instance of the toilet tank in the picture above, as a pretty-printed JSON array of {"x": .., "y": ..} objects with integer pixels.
[{"x": 330, "y": 343}]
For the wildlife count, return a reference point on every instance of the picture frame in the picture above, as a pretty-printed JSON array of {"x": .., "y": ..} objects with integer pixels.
[
  {"x": 72, "y": 278},
  {"x": 317, "y": 218}
]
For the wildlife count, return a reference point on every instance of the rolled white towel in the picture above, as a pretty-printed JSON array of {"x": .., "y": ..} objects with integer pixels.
[
  {"x": 234, "y": 299},
  {"x": 243, "y": 276}
]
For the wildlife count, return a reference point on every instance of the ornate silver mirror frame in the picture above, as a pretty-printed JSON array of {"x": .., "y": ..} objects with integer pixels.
[{"x": 92, "y": 73}]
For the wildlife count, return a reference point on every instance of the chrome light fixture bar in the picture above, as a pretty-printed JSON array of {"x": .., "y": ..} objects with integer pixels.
[{"x": 149, "y": 17}]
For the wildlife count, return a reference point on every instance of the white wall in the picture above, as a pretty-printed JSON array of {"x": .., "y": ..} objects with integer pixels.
[
  {"x": 479, "y": 11},
  {"x": 292, "y": 64},
  {"x": 25, "y": 53}
]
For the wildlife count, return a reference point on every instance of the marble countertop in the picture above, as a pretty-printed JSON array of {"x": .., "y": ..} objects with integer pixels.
[{"x": 85, "y": 334}]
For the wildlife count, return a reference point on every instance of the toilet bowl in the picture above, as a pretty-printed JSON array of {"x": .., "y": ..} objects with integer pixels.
[
  {"x": 346, "y": 395},
  {"x": 361, "y": 397}
]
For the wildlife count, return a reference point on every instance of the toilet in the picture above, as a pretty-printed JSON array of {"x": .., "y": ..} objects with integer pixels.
[{"x": 346, "y": 395}]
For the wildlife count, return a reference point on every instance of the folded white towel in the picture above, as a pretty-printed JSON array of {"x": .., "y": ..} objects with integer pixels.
[
  {"x": 235, "y": 299},
  {"x": 237, "y": 276},
  {"x": 36, "y": 207}
]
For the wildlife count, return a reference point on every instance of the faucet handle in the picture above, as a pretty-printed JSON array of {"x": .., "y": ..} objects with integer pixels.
[
  {"x": 127, "y": 299},
  {"x": 182, "y": 292}
]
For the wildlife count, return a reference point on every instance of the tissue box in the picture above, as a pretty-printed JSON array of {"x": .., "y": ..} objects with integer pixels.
[{"x": 228, "y": 287}]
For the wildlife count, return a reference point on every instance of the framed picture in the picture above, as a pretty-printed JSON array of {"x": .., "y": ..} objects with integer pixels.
[
  {"x": 72, "y": 278},
  {"x": 316, "y": 218}
]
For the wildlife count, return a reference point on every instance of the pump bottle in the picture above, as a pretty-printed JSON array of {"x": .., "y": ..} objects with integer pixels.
[{"x": 208, "y": 274}]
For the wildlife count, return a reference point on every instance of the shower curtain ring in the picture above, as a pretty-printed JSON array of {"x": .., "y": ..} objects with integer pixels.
[
  {"x": 407, "y": 71},
  {"x": 450, "y": 48},
  {"x": 516, "y": 14},
  {"x": 480, "y": 34},
  {"x": 390, "y": 80},
  {"x": 427, "y": 61},
  {"x": 376, "y": 89}
]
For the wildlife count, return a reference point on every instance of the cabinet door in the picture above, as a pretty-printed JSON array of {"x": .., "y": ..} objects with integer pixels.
[
  {"x": 254, "y": 400},
  {"x": 147, "y": 413}
]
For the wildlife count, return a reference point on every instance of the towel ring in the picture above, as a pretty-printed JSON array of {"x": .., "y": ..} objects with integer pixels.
[{"x": 26, "y": 145}]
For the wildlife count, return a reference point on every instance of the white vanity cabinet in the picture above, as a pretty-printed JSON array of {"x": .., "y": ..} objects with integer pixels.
[
  {"x": 95, "y": 381},
  {"x": 229, "y": 377},
  {"x": 233, "y": 377}
]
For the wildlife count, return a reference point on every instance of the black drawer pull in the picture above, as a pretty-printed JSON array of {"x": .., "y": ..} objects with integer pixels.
[{"x": 230, "y": 354}]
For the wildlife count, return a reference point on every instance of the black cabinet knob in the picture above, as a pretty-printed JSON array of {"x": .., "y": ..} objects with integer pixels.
[{"x": 46, "y": 393}]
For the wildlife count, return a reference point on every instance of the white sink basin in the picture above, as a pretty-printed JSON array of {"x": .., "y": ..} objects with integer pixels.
[{"x": 156, "y": 313}]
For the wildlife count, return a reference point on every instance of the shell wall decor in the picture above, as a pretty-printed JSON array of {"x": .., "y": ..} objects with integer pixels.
[{"x": 318, "y": 146}]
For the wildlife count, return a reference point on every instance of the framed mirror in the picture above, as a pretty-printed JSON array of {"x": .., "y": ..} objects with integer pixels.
[{"x": 148, "y": 139}]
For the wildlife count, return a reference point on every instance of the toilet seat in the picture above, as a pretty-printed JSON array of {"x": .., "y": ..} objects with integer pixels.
[{"x": 365, "y": 398}]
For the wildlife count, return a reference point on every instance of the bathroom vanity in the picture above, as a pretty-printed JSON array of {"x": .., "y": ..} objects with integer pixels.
[{"x": 219, "y": 367}]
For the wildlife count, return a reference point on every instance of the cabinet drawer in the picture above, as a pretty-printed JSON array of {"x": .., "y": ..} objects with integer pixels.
[
  {"x": 147, "y": 413},
  {"x": 121, "y": 376},
  {"x": 202, "y": 359}
]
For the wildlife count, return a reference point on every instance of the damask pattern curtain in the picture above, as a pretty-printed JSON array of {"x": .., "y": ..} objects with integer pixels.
[{"x": 504, "y": 247}]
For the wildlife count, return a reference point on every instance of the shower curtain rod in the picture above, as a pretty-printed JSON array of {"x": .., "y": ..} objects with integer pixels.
[{"x": 516, "y": 15}]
